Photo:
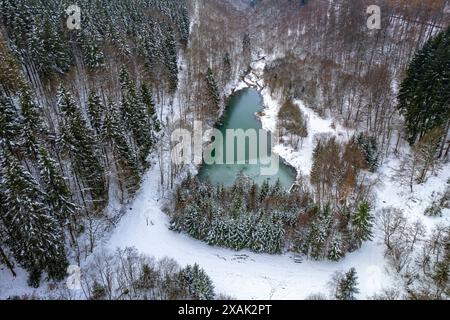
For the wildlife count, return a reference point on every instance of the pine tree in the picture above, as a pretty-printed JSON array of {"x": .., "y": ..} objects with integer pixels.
[
  {"x": 58, "y": 194},
  {"x": 34, "y": 235},
  {"x": 135, "y": 116},
  {"x": 194, "y": 223},
  {"x": 35, "y": 131},
  {"x": 276, "y": 236},
  {"x": 425, "y": 93},
  {"x": 213, "y": 90},
  {"x": 114, "y": 133},
  {"x": 170, "y": 57},
  {"x": 277, "y": 189},
  {"x": 267, "y": 237},
  {"x": 237, "y": 207},
  {"x": 369, "y": 146},
  {"x": 10, "y": 125},
  {"x": 78, "y": 141},
  {"x": 93, "y": 56},
  {"x": 335, "y": 253},
  {"x": 227, "y": 69},
  {"x": 265, "y": 189},
  {"x": 347, "y": 286},
  {"x": 147, "y": 99},
  {"x": 218, "y": 234},
  {"x": 198, "y": 282},
  {"x": 362, "y": 224},
  {"x": 48, "y": 50},
  {"x": 238, "y": 233},
  {"x": 95, "y": 111},
  {"x": 11, "y": 77},
  {"x": 319, "y": 234},
  {"x": 247, "y": 48}
]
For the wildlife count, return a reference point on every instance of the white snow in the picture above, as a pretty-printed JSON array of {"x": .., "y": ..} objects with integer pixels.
[
  {"x": 243, "y": 275},
  {"x": 246, "y": 275}
]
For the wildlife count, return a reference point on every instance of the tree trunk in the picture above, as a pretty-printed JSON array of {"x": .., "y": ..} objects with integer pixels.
[
  {"x": 444, "y": 139},
  {"x": 7, "y": 262}
]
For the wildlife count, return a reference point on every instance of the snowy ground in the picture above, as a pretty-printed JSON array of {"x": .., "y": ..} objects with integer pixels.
[
  {"x": 243, "y": 275},
  {"x": 246, "y": 275}
]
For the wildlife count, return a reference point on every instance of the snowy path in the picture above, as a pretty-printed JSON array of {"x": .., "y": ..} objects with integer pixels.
[{"x": 243, "y": 275}]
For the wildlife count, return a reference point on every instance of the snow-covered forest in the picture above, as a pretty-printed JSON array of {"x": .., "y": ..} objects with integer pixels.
[{"x": 92, "y": 205}]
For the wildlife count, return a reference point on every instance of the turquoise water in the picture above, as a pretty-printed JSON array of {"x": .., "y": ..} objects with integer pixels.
[{"x": 240, "y": 114}]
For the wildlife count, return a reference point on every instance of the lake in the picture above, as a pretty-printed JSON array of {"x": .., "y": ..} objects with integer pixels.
[{"x": 241, "y": 114}]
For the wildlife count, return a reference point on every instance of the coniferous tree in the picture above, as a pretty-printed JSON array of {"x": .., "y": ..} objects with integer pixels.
[
  {"x": 114, "y": 133},
  {"x": 11, "y": 79},
  {"x": 78, "y": 141},
  {"x": 347, "y": 286},
  {"x": 96, "y": 111},
  {"x": 227, "y": 69},
  {"x": 93, "y": 56},
  {"x": 10, "y": 125},
  {"x": 58, "y": 194},
  {"x": 35, "y": 131},
  {"x": 135, "y": 116},
  {"x": 4, "y": 257},
  {"x": 247, "y": 48},
  {"x": 34, "y": 235},
  {"x": 147, "y": 99},
  {"x": 265, "y": 189},
  {"x": 425, "y": 92},
  {"x": 213, "y": 90},
  {"x": 369, "y": 146},
  {"x": 335, "y": 253},
  {"x": 199, "y": 284},
  {"x": 170, "y": 57},
  {"x": 362, "y": 223},
  {"x": 48, "y": 50}
]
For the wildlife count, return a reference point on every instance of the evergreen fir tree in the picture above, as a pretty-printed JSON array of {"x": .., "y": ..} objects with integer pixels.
[
  {"x": 34, "y": 235},
  {"x": 147, "y": 99},
  {"x": 247, "y": 48},
  {"x": 10, "y": 125},
  {"x": 335, "y": 253},
  {"x": 265, "y": 189},
  {"x": 170, "y": 57},
  {"x": 58, "y": 194},
  {"x": 227, "y": 69},
  {"x": 277, "y": 190},
  {"x": 319, "y": 234},
  {"x": 35, "y": 130},
  {"x": 347, "y": 286},
  {"x": 95, "y": 111},
  {"x": 78, "y": 141},
  {"x": 48, "y": 50},
  {"x": 135, "y": 116},
  {"x": 218, "y": 233},
  {"x": 93, "y": 56},
  {"x": 114, "y": 133},
  {"x": 276, "y": 236},
  {"x": 362, "y": 223},
  {"x": 194, "y": 223},
  {"x": 213, "y": 90},
  {"x": 369, "y": 146},
  {"x": 199, "y": 284},
  {"x": 425, "y": 93}
]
